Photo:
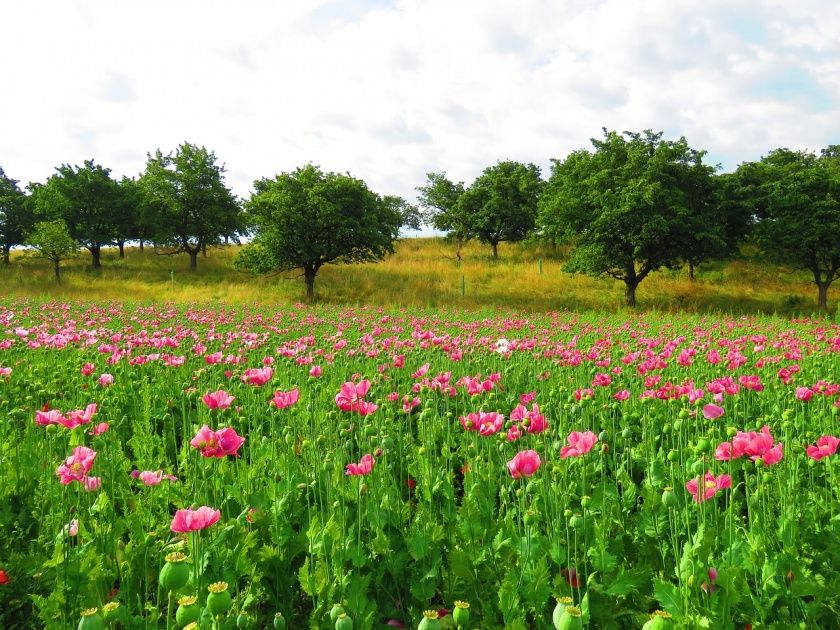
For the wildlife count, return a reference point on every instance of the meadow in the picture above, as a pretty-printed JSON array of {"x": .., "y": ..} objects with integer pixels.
[
  {"x": 333, "y": 466},
  {"x": 423, "y": 273}
]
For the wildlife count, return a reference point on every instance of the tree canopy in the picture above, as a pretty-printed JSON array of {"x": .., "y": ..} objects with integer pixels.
[
  {"x": 52, "y": 241},
  {"x": 16, "y": 215},
  {"x": 189, "y": 205},
  {"x": 89, "y": 202},
  {"x": 307, "y": 219},
  {"x": 500, "y": 205},
  {"x": 796, "y": 197},
  {"x": 628, "y": 204}
]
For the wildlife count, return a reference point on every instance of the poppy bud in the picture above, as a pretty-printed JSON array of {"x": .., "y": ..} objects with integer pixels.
[
  {"x": 570, "y": 619},
  {"x": 335, "y": 611},
  {"x": 188, "y": 611},
  {"x": 562, "y": 604},
  {"x": 91, "y": 620},
  {"x": 429, "y": 621},
  {"x": 279, "y": 621},
  {"x": 175, "y": 573},
  {"x": 343, "y": 622},
  {"x": 669, "y": 499},
  {"x": 461, "y": 614},
  {"x": 219, "y": 600},
  {"x": 660, "y": 620}
]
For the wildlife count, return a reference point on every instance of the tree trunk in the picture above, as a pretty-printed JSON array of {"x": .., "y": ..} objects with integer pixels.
[
  {"x": 309, "y": 279},
  {"x": 495, "y": 246},
  {"x": 227, "y": 239},
  {"x": 630, "y": 293},
  {"x": 121, "y": 245},
  {"x": 141, "y": 245},
  {"x": 204, "y": 250},
  {"x": 95, "y": 252},
  {"x": 193, "y": 259},
  {"x": 6, "y": 250},
  {"x": 57, "y": 271},
  {"x": 691, "y": 271},
  {"x": 822, "y": 300}
]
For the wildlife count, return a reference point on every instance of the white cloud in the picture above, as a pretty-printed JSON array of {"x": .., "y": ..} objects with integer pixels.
[{"x": 389, "y": 91}]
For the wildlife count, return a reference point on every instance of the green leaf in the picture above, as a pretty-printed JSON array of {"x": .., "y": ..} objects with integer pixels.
[
  {"x": 627, "y": 582},
  {"x": 668, "y": 597},
  {"x": 602, "y": 560}
]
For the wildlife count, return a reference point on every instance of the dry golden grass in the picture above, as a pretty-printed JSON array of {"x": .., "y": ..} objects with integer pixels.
[{"x": 422, "y": 272}]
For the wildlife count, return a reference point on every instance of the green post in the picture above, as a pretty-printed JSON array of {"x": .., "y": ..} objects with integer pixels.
[
  {"x": 463, "y": 286},
  {"x": 539, "y": 264},
  {"x": 172, "y": 279}
]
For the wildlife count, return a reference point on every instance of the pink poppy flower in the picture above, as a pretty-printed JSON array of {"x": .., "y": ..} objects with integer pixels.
[
  {"x": 755, "y": 445},
  {"x": 153, "y": 478},
  {"x": 5, "y": 372},
  {"x": 364, "y": 466},
  {"x": 514, "y": 433},
  {"x": 72, "y": 528},
  {"x": 106, "y": 380},
  {"x": 486, "y": 423},
  {"x": 712, "y": 412},
  {"x": 282, "y": 400},
  {"x": 579, "y": 444},
  {"x": 601, "y": 380},
  {"x": 804, "y": 394},
  {"x": 194, "y": 520},
  {"x": 99, "y": 429},
  {"x": 88, "y": 369},
  {"x": 572, "y": 578},
  {"x": 711, "y": 485},
  {"x": 528, "y": 398},
  {"x": 53, "y": 416},
  {"x": 217, "y": 443},
  {"x": 351, "y": 398},
  {"x": 410, "y": 404},
  {"x": 623, "y": 394},
  {"x": 826, "y": 445},
  {"x": 92, "y": 484},
  {"x": 524, "y": 464},
  {"x": 76, "y": 466},
  {"x": 218, "y": 400},
  {"x": 78, "y": 417},
  {"x": 315, "y": 371},
  {"x": 258, "y": 376}
]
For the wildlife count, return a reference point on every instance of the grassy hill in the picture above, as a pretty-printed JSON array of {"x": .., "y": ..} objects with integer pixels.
[{"x": 422, "y": 272}]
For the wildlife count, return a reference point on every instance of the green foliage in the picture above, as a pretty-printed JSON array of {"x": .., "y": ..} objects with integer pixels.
[
  {"x": 307, "y": 219},
  {"x": 52, "y": 241},
  {"x": 796, "y": 197},
  {"x": 88, "y": 200},
  {"x": 16, "y": 216},
  {"x": 188, "y": 203},
  {"x": 629, "y": 204}
]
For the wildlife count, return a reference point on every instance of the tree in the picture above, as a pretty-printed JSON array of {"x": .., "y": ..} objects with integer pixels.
[
  {"x": 626, "y": 204},
  {"x": 307, "y": 219},
  {"x": 501, "y": 204},
  {"x": 796, "y": 197},
  {"x": 191, "y": 207},
  {"x": 410, "y": 216},
  {"x": 16, "y": 215},
  {"x": 87, "y": 199},
  {"x": 52, "y": 241}
]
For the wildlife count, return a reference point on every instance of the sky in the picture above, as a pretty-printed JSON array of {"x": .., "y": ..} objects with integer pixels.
[{"x": 389, "y": 90}]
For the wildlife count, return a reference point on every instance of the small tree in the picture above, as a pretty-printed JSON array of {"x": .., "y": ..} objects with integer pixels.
[
  {"x": 796, "y": 197},
  {"x": 189, "y": 205},
  {"x": 307, "y": 219},
  {"x": 16, "y": 215},
  {"x": 51, "y": 240},
  {"x": 627, "y": 205}
]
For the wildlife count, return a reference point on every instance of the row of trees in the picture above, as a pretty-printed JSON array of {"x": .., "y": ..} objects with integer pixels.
[
  {"x": 630, "y": 205},
  {"x": 635, "y": 203}
]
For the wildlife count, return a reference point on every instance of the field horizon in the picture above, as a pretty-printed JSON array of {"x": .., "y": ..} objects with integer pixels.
[{"x": 423, "y": 272}]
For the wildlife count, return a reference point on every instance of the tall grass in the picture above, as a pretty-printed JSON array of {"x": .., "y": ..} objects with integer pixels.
[{"x": 422, "y": 272}]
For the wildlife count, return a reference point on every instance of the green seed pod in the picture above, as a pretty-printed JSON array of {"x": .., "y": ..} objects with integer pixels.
[
  {"x": 461, "y": 615},
  {"x": 627, "y": 433},
  {"x": 603, "y": 436},
  {"x": 188, "y": 610},
  {"x": 344, "y": 622},
  {"x": 91, "y": 620},
  {"x": 669, "y": 499},
  {"x": 112, "y": 612},
  {"x": 562, "y": 604},
  {"x": 703, "y": 444},
  {"x": 244, "y": 620},
  {"x": 335, "y": 611},
  {"x": 279, "y": 621},
  {"x": 175, "y": 573},
  {"x": 698, "y": 467},
  {"x": 673, "y": 456},
  {"x": 570, "y": 619},
  {"x": 429, "y": 621},
  {"x": 678, "y": 424},
  {"x": 660, "y": 620},
  {"x": 586, "y": 501},
  {"x": 219, "y": 600},
  {"x": 576, "y": 522}
]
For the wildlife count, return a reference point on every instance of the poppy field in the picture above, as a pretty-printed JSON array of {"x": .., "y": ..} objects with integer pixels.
[{"x": 358, "y": 467}]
